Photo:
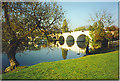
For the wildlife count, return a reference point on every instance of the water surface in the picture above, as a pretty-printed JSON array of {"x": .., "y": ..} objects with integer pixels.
[{"x": 46, "y": 53}]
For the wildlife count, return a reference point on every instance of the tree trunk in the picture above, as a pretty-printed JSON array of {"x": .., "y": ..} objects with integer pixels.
[{"x": 11, "y": 55}]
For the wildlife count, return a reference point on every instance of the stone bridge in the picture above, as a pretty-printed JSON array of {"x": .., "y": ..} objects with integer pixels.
[
  {"x": 75, "y": 35},
  {"x": 72, "y": 36}
]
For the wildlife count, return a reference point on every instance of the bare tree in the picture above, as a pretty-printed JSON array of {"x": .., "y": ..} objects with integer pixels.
[{"x": 105, "y": 17}]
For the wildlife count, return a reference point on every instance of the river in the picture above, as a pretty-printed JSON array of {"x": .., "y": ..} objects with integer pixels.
[{"x": 47, "y": 52}]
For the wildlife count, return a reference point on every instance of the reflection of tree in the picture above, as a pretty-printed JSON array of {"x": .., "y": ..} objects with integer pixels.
[
  {"x": 36, "y": 45},
  {"x": 81, "y": 41},
  {"x": 64, "y": 53},
  {"x": 44, "y": 45}
]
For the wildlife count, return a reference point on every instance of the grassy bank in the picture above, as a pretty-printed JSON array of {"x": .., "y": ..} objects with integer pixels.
[{"x": 98, "y": 66}]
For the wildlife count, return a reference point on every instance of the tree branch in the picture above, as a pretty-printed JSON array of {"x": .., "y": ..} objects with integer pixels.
[{"x": 7, "y": 19}]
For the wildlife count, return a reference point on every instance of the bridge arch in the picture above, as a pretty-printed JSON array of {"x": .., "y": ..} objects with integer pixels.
[
  {"x": 61, "y": 40},
  {"x": 70, "y": 40},
  {"x": 81, "y": 38},
  {"x": 81, "y": 42},
  {"x": 77, "y": 36}
]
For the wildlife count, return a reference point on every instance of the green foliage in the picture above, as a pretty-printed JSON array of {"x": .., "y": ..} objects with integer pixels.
[
  {"x": 24, "y": 20},
  {"x": 109, "y": 36},
  {"x": 65, "y": 26},
  {"x": 97, "y": 34},
  {"x": 80, "y": 28},
  {"x": 112, "y": 28},
  {"x": 100, "y": 66},
  {"x": 29, "y": 19},
  {"x": 116, "y": 35},
  {"x": 50, "y": 38},
  {"x": 87, "y": 40},
  {"x": 100, "y": 20},
  {"x": 99, "y": 37},
  {"x": 91, "y": 28}
]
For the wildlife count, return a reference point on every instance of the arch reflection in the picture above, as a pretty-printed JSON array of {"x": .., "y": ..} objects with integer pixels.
[
  {"x": 81, "y": 41},
  {"x": 70, "y": 40},
  {"x": 78, "y": 46},
  {"x": 81, "y": 44},
  {"x": 61, "y": 40}
]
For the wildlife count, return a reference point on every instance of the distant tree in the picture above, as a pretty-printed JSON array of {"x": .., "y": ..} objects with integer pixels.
[
  {"x": 115, "y": 30},
  {"x": 98, "y": 34},
  {"x": 80, "y": 28},
  {"x": 112, "y": 28},
  {"x": 26, "y": 19},
  {"x": 116, "y": 35},
  {"x": 100, "y": 20},
  {"x": 109, "y": 36},
  {"x": 87, "y": 40},
  {"x": 91, "y": 28},
  {"x": 105, "y": 17},
  {"x": 65, "y": 26}
]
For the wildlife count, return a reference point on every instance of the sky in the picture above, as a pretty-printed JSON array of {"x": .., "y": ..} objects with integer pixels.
[{"x": 78, "y": 13}]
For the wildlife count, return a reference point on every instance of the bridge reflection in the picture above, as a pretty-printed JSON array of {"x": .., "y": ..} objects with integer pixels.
[
  {"x": 64, "y": 53},
  {"x": 77, "y": 46}
]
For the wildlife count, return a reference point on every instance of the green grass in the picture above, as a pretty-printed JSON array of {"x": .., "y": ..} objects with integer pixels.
[{"x": 98, "y": 66}]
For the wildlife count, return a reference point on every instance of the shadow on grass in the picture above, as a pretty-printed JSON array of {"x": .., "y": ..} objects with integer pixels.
[{"x": 105, "y": 50}]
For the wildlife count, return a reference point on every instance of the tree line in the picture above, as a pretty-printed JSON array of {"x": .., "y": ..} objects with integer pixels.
[{"x": 102, "y": 31}]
